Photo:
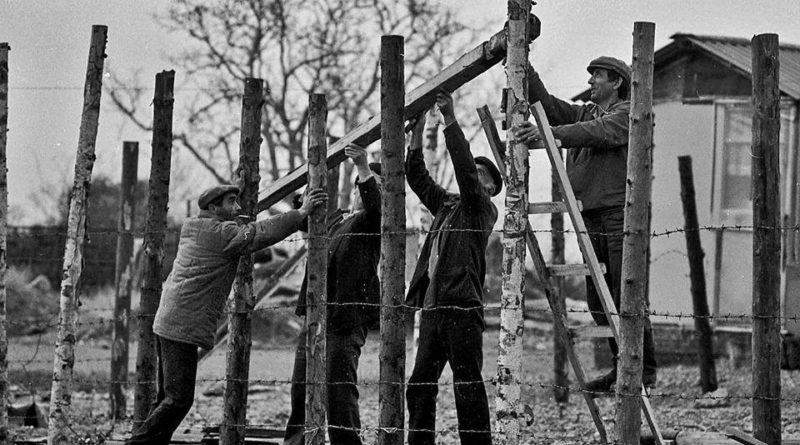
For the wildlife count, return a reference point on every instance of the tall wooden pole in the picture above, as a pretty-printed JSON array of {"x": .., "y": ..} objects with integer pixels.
[
  {"x": 122, "y": 279},
  {"x": 243, "y": 300},
  {"x": 393, "y": 244},
  {"x": 636, "y": 237},
  {"x": 509, "y": 357},
  {"x": 560, "y": 372},
  {"x": 766, "y": 240},
  {"x": 316, "y": 296},
  {"x": 697, "y": 274},
  {"x": 59, "y": 431},
  {"x": 155, "y": 230},
  {"x": 4, "y": 49}
]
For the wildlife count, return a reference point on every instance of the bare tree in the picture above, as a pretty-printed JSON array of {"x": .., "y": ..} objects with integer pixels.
[{"x": 298, "y": 47}]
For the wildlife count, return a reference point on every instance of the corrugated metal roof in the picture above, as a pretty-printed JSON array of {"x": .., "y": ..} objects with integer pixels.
[{"x": 736, "y": 51}]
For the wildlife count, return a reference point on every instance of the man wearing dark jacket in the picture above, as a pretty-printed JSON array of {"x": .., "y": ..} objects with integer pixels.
[
  {"x": 194, "y": 296},
  {"x": 448, "y": 284},
  {"x": 596, "y": 135},
  {"x": 353, "y": 293}
]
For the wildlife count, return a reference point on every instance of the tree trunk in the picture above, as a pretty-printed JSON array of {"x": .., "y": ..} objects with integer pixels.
[
  {"x": 242, "y": 299},
  {"x": 155, "y": 230},
  {"x": 393, "y": 245},
  {"x": 766, "y": 240},
  {"x": 59, "y": 431},
  {"x": 4, "y": 49},
  {"x": 122, "y": 283},
  {"x": 697, "y": 274},
  {"x": 316, "y": 296},
  {"x": 509, "y": 357},
  {"x": 636, "y": 238}
]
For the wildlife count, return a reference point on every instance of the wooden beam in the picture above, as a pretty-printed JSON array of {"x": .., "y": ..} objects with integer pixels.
[{"x": 463, "y": 70}]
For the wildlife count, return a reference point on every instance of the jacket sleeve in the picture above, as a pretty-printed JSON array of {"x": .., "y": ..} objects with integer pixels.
[
  {"x": 473, "y": 196},
  {"x": 607, "y": 131},
  {"x": 430, "y": 194},
  {"x": 558, "y": 111},
  {"x": 247, "y": 238}
]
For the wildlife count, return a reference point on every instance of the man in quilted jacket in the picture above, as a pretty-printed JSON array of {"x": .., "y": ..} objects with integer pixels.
[
  {"x": 194, "y": 296},
  {"x": 596, "y": 138}
]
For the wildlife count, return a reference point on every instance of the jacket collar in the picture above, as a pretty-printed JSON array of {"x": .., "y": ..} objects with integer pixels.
[{"x": 208, "y": 214}]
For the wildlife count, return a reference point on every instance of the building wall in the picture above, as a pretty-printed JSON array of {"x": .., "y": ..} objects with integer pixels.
[{"x": 679, "y": 130}]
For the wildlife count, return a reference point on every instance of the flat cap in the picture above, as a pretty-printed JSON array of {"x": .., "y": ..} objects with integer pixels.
[
  {"x": 498, "y": 178},
  {"x": 611, "y": 64},
  {"x": 215, "y": 192}
]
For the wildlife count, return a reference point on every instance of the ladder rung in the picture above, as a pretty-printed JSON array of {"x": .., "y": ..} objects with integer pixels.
[
  {"x": 550, "y": 207},
  {"x": 591, "y": 332},
  {"x": 565, "y": 270},
  {"x": 539, "y": 145}
]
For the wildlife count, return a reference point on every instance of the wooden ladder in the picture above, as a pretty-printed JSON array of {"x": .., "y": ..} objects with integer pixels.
[{"x": 592, "y": 267}]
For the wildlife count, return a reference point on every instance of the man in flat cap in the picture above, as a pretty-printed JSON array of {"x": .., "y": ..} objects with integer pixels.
[
  {"x": 448, "y": 284},
  {"x": 596, "y": 136},
  {"x": 353, "y": 292},
  {"x": 194, "y": 296}
]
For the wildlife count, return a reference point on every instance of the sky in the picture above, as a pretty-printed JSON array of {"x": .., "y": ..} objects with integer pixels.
[{"x": 49, "y": 45}]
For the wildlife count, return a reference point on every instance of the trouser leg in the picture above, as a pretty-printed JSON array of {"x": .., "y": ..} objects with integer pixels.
[
  {"x": 297, "y": 416},
  {"x": 178, "y": 372},
  {"x": 423, "y": 383},
  {"x": 463, "y": 330},
  {"x": 343, "y": 353}
]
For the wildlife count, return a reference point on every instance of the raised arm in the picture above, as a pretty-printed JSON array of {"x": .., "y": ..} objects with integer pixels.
[
  {"x": 430, "y": 194},
  {"x": 558, "y": 111},
  {"x": 367, "y": 183},
  {"x": 466, "y": 172}
]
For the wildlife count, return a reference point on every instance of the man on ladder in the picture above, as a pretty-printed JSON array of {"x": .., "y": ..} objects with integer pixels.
[{"x": 596, "y": 135}]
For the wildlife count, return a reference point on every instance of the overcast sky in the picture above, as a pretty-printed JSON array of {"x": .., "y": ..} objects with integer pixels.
[{"x": 49, "y": 43}]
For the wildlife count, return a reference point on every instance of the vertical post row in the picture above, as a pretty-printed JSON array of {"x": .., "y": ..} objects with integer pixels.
[
  {"x": 155, "y": 230},
  {"x": 393, "y": 244},
  {"x": 766, "y": 240},
  {"x": 4, "y": 49},
  {"x": 59, "y": 431},
  {"x": 316, "y": 296},
  {"x": 122, "y": 281},
  {"x": 242, "y": 299},
  {"x": 509, "y": 356},
  {"x": 697, "y": 274},
  {"x": 636, "y": 238}
]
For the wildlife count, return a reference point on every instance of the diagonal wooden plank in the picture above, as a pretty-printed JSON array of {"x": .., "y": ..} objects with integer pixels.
[
  {"x": 463, "y": 70},
  {"x": 559, "y": 315}
]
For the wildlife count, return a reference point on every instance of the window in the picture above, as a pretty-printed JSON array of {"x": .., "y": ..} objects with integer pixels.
[{"x": 735, "y": 191}]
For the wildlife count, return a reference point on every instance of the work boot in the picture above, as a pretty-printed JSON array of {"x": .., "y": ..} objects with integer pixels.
[{"x": 603, "y": 384}]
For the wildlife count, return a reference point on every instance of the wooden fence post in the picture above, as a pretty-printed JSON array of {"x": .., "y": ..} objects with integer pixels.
[
  {"x": 316, "y": 296},
  {"x": 697, "y": 274},
  {"x": 636, "y": 237},
  {"x": 393, "y": 245},
  {"x": 560, "y": 372},
  {"x": 155, "y": 231},
  {"x": 59, "y": 431},
  {"x": 123, "y": 277},
  {"x": 509, "y": 357},
  {"x": 4, "y": 49},
  {"x": 242, "y": 299},
  {"x": 766, "y": 240}
]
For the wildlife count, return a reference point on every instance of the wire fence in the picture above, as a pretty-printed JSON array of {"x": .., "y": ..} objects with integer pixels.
[{"x": 92, "y": 369}]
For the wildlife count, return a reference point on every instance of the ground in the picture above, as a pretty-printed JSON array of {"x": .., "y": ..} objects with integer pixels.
[{"x": 672, "y": 400}]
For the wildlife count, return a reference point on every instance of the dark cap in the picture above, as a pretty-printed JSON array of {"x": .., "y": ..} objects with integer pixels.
[
  {"x": 611, "y": 64},
  {"x": 208, "y": 196},
  {"x": 498, "y": 178}
]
